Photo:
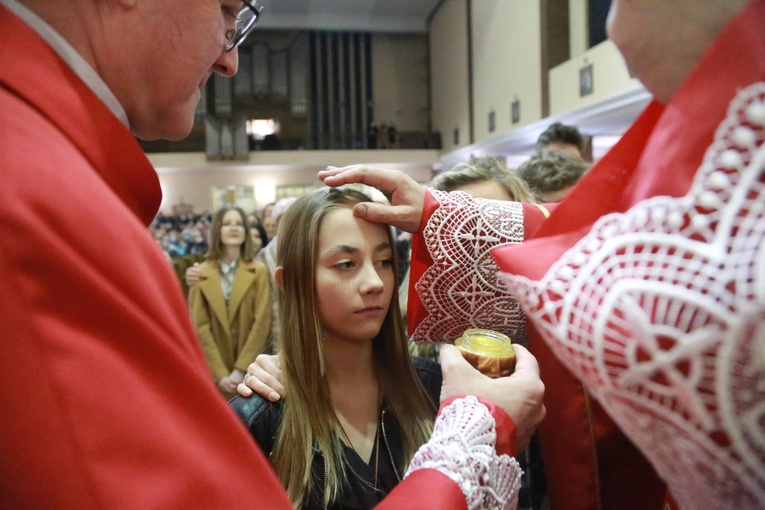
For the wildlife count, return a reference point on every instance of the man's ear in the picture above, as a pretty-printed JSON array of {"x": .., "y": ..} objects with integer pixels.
[{"x": 278, "y": 274}]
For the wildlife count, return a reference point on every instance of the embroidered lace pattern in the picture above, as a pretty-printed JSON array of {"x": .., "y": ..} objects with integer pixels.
[
  {"x": 462, "y": 448},
  {"x": 462, "y": 290},
  {"x": 661, "y": 312}
]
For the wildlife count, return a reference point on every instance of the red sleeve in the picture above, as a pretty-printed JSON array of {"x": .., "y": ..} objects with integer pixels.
[
  {"x": 425, "y": 489},
  {"x": 669, "y": 503},
  {"x": 507, "y": 441},
  {"x": 420, "y": 262}
]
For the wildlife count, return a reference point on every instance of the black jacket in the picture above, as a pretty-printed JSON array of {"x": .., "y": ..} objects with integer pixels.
[{"x": 263, "y": 418}]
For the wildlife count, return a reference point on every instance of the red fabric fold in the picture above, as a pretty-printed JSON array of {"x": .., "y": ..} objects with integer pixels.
[
  {"x": 425, "y": 489},
  {"x": 420, "y": 262}
]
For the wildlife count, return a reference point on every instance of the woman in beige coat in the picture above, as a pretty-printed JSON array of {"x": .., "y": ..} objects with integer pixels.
[{"x": 230, "y": 305}]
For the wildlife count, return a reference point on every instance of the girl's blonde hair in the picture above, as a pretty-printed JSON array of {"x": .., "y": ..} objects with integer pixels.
[{"x": 308, "y": 419}]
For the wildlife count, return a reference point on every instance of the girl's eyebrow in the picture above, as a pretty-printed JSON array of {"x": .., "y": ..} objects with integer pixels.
[{"x": 344, "y": 248}]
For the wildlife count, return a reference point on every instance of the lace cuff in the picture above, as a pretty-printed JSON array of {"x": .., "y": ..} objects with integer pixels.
[
  {"x": 462, "y": 448},
  {"x": 461, "y": 289}
]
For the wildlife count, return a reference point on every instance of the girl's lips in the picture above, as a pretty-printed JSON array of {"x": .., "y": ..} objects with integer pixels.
[{"x": 370, "y": 309}]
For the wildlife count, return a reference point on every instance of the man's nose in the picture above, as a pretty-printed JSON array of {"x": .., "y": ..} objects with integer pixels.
[{"x": 228, "y": 63}]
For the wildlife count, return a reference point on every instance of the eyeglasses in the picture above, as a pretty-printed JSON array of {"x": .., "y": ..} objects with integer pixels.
[{"x": 246, "y": 19}]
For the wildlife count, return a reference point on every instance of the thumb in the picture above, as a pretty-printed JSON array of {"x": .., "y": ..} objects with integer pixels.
[
  {"x": 361, "y": 210},
  {"x": 371, "y": 211},
  {"x": 450, "y": 357},
  {"x": 525, "y": 362}
]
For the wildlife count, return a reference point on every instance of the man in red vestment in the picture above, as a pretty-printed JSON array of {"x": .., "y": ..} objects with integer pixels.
[
  {"x": 646, "y": 283},
  {"x": 90, "y": 303}
]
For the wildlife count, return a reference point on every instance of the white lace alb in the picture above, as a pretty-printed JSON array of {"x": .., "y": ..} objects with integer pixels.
[
  {"x": 463, "y": 448},
  {"x": 661, "y": 312}
]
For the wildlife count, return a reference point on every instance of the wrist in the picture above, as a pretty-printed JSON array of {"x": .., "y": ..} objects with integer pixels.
[
  {"x": 462, "y": 447},
  {"x": 507, "y": 440}
]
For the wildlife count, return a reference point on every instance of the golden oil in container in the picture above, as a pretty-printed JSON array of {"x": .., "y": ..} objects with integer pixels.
[{"x": 491, "y": 352}]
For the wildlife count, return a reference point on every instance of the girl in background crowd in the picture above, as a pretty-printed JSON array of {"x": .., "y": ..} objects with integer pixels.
[
  {"x": 230, "y": 305},
  {"x": 269, "y": 223},
  {"x": 257, "y": 235}
]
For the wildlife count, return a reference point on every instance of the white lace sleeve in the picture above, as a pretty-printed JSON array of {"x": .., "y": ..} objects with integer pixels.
[
  {"x": 661, "y": 312},
  {"x": 462, "y": 448},
  {"x": 461, "y": 290}
]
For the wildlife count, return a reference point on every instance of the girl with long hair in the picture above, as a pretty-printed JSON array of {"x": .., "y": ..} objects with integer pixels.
[
  {"x": 356, "y": 408},
  {"x": 230, "y": 305}
]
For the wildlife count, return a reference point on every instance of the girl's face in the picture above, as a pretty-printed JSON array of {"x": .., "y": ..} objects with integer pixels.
[
  {"x": 267, "y": 210},
  {"x": 354, "y": 276},
  {"x": 270, "y": 225},
  {"x": 232, "y": 230}
]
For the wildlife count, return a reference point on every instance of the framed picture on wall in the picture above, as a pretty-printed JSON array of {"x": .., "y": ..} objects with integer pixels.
[
  {"x": 585, "y": 80},
  {"x": 241, "y": 196},
  {"x": 515, "y": 111}
]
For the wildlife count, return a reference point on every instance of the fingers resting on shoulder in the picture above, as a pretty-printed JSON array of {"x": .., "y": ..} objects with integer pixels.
[{"x": 264, "y": 376}]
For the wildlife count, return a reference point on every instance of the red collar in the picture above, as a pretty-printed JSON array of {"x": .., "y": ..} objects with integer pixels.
[{"x": 35, "y": 73}]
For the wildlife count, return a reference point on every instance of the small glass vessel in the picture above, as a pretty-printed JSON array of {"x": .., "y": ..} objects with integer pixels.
[{"x": 489, "y": 351}]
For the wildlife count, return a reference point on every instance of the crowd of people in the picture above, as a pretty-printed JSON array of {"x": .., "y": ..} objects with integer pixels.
[
  {"x": 180, "y": 235},
  {"x": 638, "y": 297},
  {"x": 187, "y": 234}
]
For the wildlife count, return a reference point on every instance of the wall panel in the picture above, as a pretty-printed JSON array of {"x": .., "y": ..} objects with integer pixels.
[
  {"x": 506, "y": 49},
  {"x": 450, "y": 74}
]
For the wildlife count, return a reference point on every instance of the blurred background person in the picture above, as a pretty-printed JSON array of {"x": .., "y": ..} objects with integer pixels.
[
  {"x": 551, "y": 174},
  {"x": 563, "y": 138},
  {"x": 231, "y": 304},
  {"x": 258, "y": 235},
  {"x": 486, "y": 177},
  {"x": 267, "y": 220},
  {"x": 268, "y": 256}
]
